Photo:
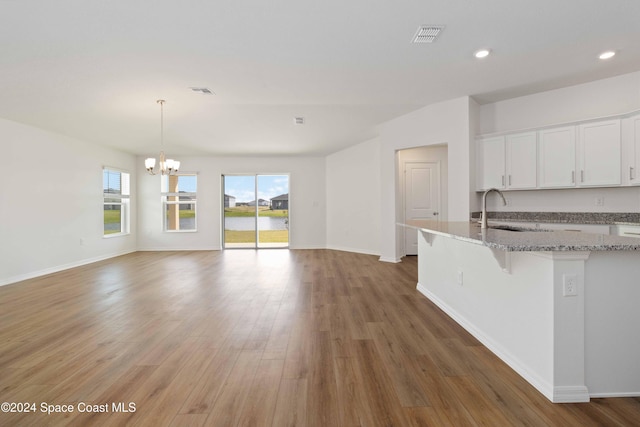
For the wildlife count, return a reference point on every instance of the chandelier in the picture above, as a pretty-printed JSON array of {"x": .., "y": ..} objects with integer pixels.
[{"x": 166, "y": 166}]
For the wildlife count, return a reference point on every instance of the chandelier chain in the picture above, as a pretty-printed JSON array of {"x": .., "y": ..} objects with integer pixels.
[{"x": 161, "y": 102}]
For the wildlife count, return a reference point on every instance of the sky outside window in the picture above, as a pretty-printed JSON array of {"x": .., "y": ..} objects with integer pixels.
[{"x": 243, "y": 187}]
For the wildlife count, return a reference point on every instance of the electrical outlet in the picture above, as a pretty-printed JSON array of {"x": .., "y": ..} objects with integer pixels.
[
  {"x": 600, "y": 201},
  {"x": 569, "y": 285}
]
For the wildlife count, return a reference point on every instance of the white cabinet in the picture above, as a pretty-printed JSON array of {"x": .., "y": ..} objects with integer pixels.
[
  {"x": 633, "y": 145},
  {"x": 591, "y": 159},
  {"x": 507, "y": 162},
  {"x": 557, "y": 157},
  {"x": 588, "y": 154},
  {"x": 599, "y": 153},
  {"x": 521, "y": 161},
  {"x": 491, "y": 166}
]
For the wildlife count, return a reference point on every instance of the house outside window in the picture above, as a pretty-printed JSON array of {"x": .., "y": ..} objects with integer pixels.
[
  {"x": 179, "y": 202},
  {"x": 116, "y": 207}
]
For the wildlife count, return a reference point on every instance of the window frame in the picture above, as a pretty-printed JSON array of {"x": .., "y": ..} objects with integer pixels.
[
  {"x": 124, "y": 201},
  {"x": 165, "y": 195}
]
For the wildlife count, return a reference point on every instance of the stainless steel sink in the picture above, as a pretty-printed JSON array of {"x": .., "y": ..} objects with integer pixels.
[{"x": 516, "y": 229}]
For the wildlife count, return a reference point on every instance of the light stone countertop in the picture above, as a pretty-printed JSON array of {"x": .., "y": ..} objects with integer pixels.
[
  {"x": 602, "y": 218},
  {"x": 532, "y": 240}
]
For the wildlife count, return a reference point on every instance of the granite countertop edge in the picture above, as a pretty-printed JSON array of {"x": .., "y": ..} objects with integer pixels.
[
  {"x": 596, "y": 218},
  {"x": 526, "y": 240}
]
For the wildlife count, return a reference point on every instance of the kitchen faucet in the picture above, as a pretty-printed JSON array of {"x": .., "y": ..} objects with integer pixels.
[{"x": 483, "y": 217}]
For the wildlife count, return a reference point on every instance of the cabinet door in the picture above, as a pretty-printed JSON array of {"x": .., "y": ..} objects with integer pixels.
[
  {"x": 491, "y": 163},
  {"x": 521, "y": 160},
  {"x": 599, "y": 147},
  {"x": 557, "y": 157},
  {"x": 634, "y": 177}
]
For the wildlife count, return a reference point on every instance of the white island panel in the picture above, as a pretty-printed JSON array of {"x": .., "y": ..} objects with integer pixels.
[
  {"x": 520, "y": 315},
  {"x": 507, "y": 288}
]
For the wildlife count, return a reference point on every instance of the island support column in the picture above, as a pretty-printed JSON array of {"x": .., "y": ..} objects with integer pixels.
[{"x": 569, "y": 374}]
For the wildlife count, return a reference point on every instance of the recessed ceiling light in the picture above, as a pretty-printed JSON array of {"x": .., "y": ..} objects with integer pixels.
[
  {"x": 482, "y": 53},
  {"x": 607, "y": 55}
]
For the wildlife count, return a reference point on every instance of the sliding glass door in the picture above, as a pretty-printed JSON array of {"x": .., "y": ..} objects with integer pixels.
[{"x": 256, "y": 211}]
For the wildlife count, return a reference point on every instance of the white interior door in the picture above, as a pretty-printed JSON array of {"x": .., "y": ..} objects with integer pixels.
[{"x": 422, "y": 197}]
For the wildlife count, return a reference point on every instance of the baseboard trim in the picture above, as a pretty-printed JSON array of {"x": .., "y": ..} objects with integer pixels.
[
  {"x": 178, "y": 249},
  {"x": 388, "y": 259},
  {"x": 353, "y": 250},
  {"x": 574, "y": 394},
  {"x": 62, "y": 267},
  {"x": 623, "y": 394}
]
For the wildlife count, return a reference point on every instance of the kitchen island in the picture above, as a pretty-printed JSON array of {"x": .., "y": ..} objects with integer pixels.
[{"x": 559, "y": 307}]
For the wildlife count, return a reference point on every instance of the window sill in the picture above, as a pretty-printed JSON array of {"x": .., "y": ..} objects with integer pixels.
[{"x": 111, "y": 236}]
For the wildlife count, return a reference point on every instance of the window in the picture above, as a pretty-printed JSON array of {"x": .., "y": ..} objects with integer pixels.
[
  {"x": 115, "y": 189},
  {"x": 179, "y": 202}
]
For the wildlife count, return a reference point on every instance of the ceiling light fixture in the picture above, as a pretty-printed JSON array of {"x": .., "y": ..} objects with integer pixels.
[
  {"x": 482, "y": 53},
  {"x": 607, "y": 55},
  {"x": 167, "y": 166}
]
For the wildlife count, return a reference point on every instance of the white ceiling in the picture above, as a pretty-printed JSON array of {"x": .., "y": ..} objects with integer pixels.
[{"x": 93, "y": 69}]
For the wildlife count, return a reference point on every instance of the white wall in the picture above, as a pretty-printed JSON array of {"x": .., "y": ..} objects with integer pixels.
[
  {"x": 444, "y": 123},
  {"x": 51, "y": 214},
  {"x": 307, "y": 201},
  {"x": 622, "y": 199},
  {"x": 616, "y": 95},
  {"x": 353, "y": 198}
]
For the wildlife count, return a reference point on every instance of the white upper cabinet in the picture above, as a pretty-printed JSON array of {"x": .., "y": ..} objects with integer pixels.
[
  {"x": 557, "y": 157},
  {"x": 522, "y": 153},
  {"x": 594, "y": 153},
  {"x": 490, "y": 163},
  {"x": 507, "y": 162},
  {"x": 632, "y": 137},
  {"x": 599, "y": 153}
]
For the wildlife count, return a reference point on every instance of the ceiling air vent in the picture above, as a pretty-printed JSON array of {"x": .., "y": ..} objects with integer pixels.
[
  {"x": 202, "y": 90},
  {"x": 298, "y": 120},
  {"x": 427, "y": 33}
]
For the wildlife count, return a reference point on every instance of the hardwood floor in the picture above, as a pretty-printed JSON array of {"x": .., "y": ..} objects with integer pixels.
[{"x": 264, "y": 338}]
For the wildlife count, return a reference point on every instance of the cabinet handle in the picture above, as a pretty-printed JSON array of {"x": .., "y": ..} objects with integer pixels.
[
  {"x": 509, "y": 179},
  {"x": 573, "y": 177},
  {"x": 582, "y": 176},
  {"x": 503, "y": 180},
  {"x": 631, "y": 170}
]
